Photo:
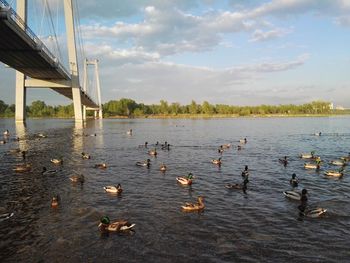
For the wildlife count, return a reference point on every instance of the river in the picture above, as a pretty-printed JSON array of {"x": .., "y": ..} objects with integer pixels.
[{"x": 260, "y": 226}]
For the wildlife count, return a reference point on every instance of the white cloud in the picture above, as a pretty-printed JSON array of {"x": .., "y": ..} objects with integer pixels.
[{"x": 260, "y": 35}]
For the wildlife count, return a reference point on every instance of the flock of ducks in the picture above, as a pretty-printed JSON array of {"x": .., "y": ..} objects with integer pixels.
[{"x": 105, "y": 224}]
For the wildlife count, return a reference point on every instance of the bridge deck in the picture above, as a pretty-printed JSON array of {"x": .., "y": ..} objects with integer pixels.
[{"x": 22, "y": 50}]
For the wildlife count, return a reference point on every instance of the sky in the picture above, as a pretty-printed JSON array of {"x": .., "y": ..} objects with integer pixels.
[{"x": 237, "y": 52}]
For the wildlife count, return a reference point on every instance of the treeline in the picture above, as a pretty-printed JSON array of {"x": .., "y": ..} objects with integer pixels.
[{"x": 130, "y": 108}]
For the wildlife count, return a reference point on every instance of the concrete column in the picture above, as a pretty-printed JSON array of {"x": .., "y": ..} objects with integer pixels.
[
  {"x": 85, "y": 86},
  {"x": 73, "y": 61},
  {"x": 97, "y": 74},
  {"x": 21, "y": 91}
]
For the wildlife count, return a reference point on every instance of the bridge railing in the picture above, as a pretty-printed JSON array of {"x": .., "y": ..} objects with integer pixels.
[{"x": 16, "y": 18}]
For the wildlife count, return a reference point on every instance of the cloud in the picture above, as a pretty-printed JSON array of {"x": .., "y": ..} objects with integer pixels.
[{"x": 260, "y": 35}]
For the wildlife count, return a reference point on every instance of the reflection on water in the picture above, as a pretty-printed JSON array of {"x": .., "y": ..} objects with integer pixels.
[{"x": 259, "y": 226}]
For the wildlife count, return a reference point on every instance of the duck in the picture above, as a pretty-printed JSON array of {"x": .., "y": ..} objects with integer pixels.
[
  {"x": 22, "y": 168},
  {"x": 144, "y": 163},
  {"x": 245, "y": 172},
  {"x": 129, "y": 132},
  {"x": 54, "y": 201},
  {"x": 294, "y": 181},
  {"x": 334, "y": 173},
  {"x": 317, "y": 133},
  {"x": 311, "y": 166},
  {"x": 242, "y": 186},
  {"x": 113, "y": 189},
  {"x": 47, "y": 172},
  {"x": 283, "y": 161},
  {"x": 41, "y": 135},
  {"x": 346, "y": 158},
  {"x": 307, "y": 155},
  {"x": 339, "y": 162},
  {"x": 153, "y": 152},
  {"x": 101, "y": 166},
  {"x": 15, "y": 151},
  {"x": 239, "y": 147},
  {"x": 163, "y": 167},
  {"x": 2, "y": 142},
  {"x": 315, "y": 212},
  {"x": 6, "y": 133},
  {"x": 79, "y": 178},
  {"x": 292, "y": 195},
  {"x": 85, "y": 156},
  {"x": 57, "y": 161},
  {"x": 185, "y": 180},
  {"x": 217, "y": 162},
  {"x": 243, "y": 140},
  {"x": 226, "y": 146},
  {"x": 6, "y": 216},
  {"x": 117, "y": 226},
  {"x": 190, "y": 207}
]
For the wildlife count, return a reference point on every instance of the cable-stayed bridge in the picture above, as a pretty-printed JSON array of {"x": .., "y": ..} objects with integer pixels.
[{"x": 37, "y": 67}]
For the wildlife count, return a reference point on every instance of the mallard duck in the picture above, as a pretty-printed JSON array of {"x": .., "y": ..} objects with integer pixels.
[
  {"x": 113, "y": 189},
  {"x": 57, "y": 161},
  {"x": 15, "y": 151},
  {"x": 315, "y": 212},
  {"x": 153, "y": 152},
  {"x": 217, "y": 162},
  {"x": 163, "y": 167},
  {"x": 317, "y": 133},
  {"x": 41, "y": 135},
  {"x": 294, "y": 181},
  {"x": 144, "y": 163},
  {"x": 6, "y": 133},
  {"x": 334, "y": 173},
  {"x": 79, "y": 178},
  {"x": 47, "y": 172},
  {"x": 54, "y": 201},
  {"x": 85, "y": 156},
  {"x": 292, "y": 195},
  {"x": 185, "y": 180},
  {"x": 307, "y": 155},
  {"x": 283, "y": 161},
  {"x": 117, "y": 226},
  {"x": 311, "y": 166},
  {"x": 189, "y": 207},
  {"x": 226, "y": 146},
  {"x": 22, "y": 168},
  {"x": 129, "y": 132},
  {"x": 101, "y": 165},
  {"x": 346, "y": 158},
  {"x": 243, "y": 140},
  {"x": 339, "y": 162}
]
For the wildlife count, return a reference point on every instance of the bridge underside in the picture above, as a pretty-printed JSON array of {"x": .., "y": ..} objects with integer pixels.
[{"x": 22, "y": 50}]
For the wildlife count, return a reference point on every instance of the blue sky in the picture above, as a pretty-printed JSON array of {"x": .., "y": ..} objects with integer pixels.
[{"x": 233, "y": 52}]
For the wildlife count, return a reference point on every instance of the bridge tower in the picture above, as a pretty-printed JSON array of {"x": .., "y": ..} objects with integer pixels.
[
  {"x": 97, "y": 111},
  {"x": 22, "y": 83}
]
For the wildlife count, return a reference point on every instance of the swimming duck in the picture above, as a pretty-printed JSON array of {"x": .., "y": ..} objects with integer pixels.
[
  {"x": 6, "y": 133},
  {"x": 338, "y": 173},
  {"x": 294, "y": 181},
  {"x": 190, "y": 207},
  {"x": 2, "y": 142},
  {"x": 220, "y": 150},
  {"x": 217, "y": 162},
  {"x": 22, "y": 168},
  {"x": 316, "y": 212},
  {"x": 41, "y": 135},
  {"x": 311, "y": 166},
  {"x": 57, "y": 161},
  {"x": 101, "y": 165},
  {"x": 245, "y": 172},
  {"x": 185, "y": 180},
  {"x": 113, "y": 189},
  {"x": 283, "y": 161},
  {"x": 47, "y": 172},
  {"x": 153, "y": 152},
  {"x": 239, "y": 147},
  {"x": 339, "y": 162},
  {"x": 163, "y": 167},
  {"x": 307, "y": 155},
  {"x": 243, "y": 140},
  {"x": 144, "y": 163},
  {"x": 226, "y": 146},
  {"x": 292, "y": 195},
  {"x": 117, "y": 226},
  {"x": 79, "y": 178},
  {"x": 6, "y": 216},
  {"x": 129, "y": 132},
  {"x": 85, "y": 156},
  {"x": 15, "y": 151},
  {"x": 54, "y": 201},
  {"x": 242, "y": 186},
  {"x": 346, "y": 158},
  {"x": 318, "y": 134}
]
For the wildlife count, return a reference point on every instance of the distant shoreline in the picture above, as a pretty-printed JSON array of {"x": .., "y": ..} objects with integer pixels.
[{"x": 203, "y": 116}]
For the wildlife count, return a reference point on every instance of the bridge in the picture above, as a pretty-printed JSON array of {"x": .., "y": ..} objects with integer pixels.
[{"x": 37, "y": 67}]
